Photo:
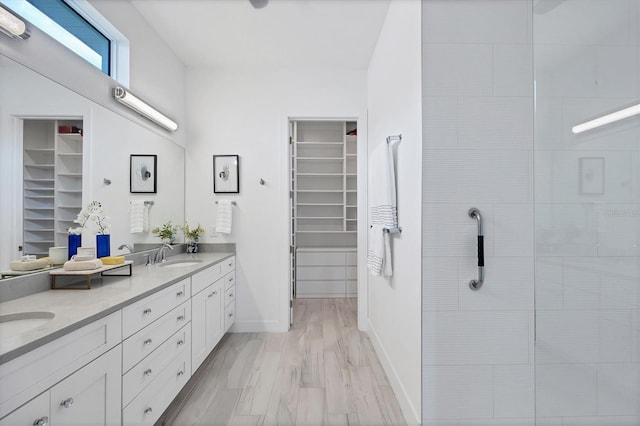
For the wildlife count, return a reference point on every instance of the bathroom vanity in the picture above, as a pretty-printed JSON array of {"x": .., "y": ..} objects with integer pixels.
[{"x": 119, "y": 353}]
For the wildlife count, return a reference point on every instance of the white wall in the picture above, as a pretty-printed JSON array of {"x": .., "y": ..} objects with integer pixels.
[
  {"x": 246, "y": 112},
  {"x": 394, "y": 106},
  {"x": 478, "y": 141}
]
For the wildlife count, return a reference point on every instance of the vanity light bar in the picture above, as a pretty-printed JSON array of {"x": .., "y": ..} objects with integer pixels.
[
  {"x": 12, "y": 26},
  {"x": 127, "y": 98},
  {"x": 607, "y": 119}
]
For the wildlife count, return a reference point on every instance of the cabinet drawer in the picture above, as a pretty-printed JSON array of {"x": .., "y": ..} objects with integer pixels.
[
  {"x": 30, "y": 413},
  {"x": 147, "y": 407},
  {"x": 141, "y": 344},
  {"x": 320, "y": 273},
  {"x": 142, "y": 313},
  {"x": 228, "y": 265},
  {"x": 23, "y": 378},
  {"x": 229, "y": 295},
  {"x": 319, "y": 259},
  {"x": 229, "y": 315},
  {"x": 136, "y": 379},
  {"x": 229, "y": 280},
  {"x": 202, "y": 279}
]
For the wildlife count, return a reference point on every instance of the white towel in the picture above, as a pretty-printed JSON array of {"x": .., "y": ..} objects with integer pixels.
[
  {"x": 223, "y": 223},
  {"x": 383, "y": 209},
  {"x": 138, "y": 216}
]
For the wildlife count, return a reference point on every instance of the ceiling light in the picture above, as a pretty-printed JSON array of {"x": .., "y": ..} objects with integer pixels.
[
  {"x": 11, "y": 25},
  {"x": 125, "y": 97},
  {"x": 607, "y": 119}
]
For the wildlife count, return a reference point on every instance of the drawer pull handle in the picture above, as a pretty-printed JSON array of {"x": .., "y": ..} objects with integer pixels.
[
  {"x": 147, "y": 311},
  {"x": 181, "y": 318},
  {"x": 230, "y": 263},
  {"x": 230, "y": 314},
  {"x": 180, "y": 342},
  {"x": 148, "y": 372},
  {"x": 230, "y": 279},
  {"x": 147, "y": 342},
  {"x": 230, "y": 294},
  {"x": 180, "y": 373},
  {"x": 213, "y": 294},
  {"x": 148, "y": 410},
  {"x": 42, "y": 421},
  {"x": 180, "y": 294},
  {"x": 67, "y": 403}
]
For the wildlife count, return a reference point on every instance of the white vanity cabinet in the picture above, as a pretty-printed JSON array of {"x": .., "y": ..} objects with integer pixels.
[
  {"x": 213, "y": 309},
  {"x": 69, "y": 381}
]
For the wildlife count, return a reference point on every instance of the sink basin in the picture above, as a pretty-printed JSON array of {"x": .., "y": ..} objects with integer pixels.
[
  {"x": 180, "y": 263},
  {"x": 15, "y": 324}
]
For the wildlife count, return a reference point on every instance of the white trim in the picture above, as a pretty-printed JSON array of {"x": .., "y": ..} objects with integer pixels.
[
  {"x": 258, "y": 327},
  {"x": 411, "y": 413}
]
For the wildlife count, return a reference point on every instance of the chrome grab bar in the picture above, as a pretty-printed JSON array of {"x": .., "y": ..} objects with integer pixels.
[{"x": 476, "y": 284}]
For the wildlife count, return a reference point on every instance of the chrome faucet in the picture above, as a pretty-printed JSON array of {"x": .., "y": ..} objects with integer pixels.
[
  {"x": 127, "y": 246},
  {"x": 161, "y": 253}
]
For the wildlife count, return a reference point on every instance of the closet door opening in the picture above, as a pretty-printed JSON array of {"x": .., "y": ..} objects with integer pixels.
[{"x": 323, "y": 173}]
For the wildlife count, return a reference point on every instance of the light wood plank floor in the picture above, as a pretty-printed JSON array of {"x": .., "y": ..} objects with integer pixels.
[{"x": 322, "y": 372}]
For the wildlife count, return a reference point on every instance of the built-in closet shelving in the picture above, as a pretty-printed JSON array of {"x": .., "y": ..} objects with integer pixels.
[
  {"x": 324, "y": 204},
  {"x": 52, "y": 179}
]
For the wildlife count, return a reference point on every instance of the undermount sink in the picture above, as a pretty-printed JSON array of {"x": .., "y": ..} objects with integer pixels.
[
  {"x": 180, "y": 263},
  {"x": 16, "y": 324}
]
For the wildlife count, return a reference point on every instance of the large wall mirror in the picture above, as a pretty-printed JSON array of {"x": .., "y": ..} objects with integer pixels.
[{"x": 48, "y": 169}]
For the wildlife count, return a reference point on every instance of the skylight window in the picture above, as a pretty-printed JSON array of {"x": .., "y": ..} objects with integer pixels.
[{"x": 79, "y": 27}]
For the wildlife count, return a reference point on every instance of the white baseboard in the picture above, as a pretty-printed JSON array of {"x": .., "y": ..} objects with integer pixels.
[
  {"x": 259, "y": 327},
  {"x": 411, "y": 413}
]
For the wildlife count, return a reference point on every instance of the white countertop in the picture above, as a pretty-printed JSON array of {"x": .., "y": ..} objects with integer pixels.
[{"x": 76, "y": 308}]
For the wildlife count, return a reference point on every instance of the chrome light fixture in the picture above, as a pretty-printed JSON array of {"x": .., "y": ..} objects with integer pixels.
[
  {"x": 127, "y": 98},
  {"x": 607, "y": 119},
  {"x": 12, "y": 26}
]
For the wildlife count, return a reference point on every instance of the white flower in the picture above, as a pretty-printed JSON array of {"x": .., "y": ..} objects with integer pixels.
[{"x": 94, "y": 213}]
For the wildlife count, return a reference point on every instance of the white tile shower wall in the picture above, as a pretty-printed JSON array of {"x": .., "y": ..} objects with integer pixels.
[{"x": 478, "y": 145}]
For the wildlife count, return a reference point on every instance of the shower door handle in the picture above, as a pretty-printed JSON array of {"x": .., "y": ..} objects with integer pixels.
[{"x": 476, "y": 284}]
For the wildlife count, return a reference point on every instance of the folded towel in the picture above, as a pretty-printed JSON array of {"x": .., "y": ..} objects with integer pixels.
[
  {"x": 223, "y": 223},
  {"x": 29, "y": 265},
  {"x": 112, "y": 260},
  {"x": 138, "y": 216},
  {"x": 383, "y": 209},
  {"x": 82, "y": 265}
]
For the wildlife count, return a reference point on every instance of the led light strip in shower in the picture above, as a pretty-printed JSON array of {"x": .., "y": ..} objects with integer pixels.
[{"x": 607, "y": 119}]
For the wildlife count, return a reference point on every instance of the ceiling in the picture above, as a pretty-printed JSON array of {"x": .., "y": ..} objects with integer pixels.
[{"x": 298, "y": 34}]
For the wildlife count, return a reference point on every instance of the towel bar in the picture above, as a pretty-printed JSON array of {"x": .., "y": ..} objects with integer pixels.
[
  {"x": 232, "y": 203},
  {"x": 394, "y": 138},
  {"x": 149, "y": 203},
  {"x": 397, "y": 230}
]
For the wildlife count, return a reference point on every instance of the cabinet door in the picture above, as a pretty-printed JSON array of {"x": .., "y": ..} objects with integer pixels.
[
  {"x": 34, "y": 412},
  {"x": 91, "y": 395},
  {"x": 199, "y": 328},
  {"x": 214, "y": 315}
]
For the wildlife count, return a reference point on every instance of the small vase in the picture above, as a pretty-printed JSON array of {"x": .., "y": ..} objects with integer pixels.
[
  {"x": 103, "y": 245},
  {"x": 192, "y": 246},
  {"x": 75, "y": 241}
]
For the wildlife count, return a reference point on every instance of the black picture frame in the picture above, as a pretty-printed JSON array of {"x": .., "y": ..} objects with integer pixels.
[
  {"x": 226, "y": 174},
  {"x": 143, "y": 172}
]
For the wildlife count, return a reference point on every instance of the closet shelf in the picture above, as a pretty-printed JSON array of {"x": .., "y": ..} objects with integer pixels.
[
  {"x": 40, "y": 166},
  {"x": 318, "y": 143},
  {"x": 70, "y": 174},
  {"x": 38, "y": 229},
  {"x": 320, "y": 158},
  {"x": 320, "y": 174},
  {"x": 320, "y": 217},
  {"x": 39, "y": 150},
  {"x": 321, "y": 204}
]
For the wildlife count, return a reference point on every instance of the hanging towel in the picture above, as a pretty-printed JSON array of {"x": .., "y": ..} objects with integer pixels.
[
  {"x": 138, "y": 216},
  {"x": 383, "y": 211},
  {"x": 223, "y": 223}
]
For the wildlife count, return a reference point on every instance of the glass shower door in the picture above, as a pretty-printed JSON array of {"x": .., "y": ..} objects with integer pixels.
[{"x": 587, "y": 212}]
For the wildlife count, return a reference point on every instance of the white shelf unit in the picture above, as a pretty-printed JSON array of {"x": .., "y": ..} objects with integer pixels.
[
  {"x": 48, "y": 157},
  {"x": 324, "y": 195}
]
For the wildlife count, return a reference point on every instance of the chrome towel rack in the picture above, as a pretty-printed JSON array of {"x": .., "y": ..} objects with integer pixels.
[
  {"x": 149, "y": 203},
  {"x": 394, "y": 138},
  {"x": 476, "y": 284},
  {"x": 232, "y": 203}
]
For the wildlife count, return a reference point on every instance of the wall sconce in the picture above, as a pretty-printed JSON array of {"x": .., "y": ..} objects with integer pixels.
[
  {"x": 12, "y": 26},
  {"x": 127, "y": 98}
]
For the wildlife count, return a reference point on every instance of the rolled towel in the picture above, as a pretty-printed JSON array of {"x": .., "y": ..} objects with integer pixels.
[
  {"x": 82, "y": 265},
  {"x": 138, "y": 217},
  {"x": 29, "y": 265}
]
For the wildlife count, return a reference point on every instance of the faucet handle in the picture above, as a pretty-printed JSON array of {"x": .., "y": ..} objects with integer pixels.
[{"x": 148, "y": 257}]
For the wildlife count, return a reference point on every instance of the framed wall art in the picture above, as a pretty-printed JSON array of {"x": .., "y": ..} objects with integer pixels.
[
  {"x": 226, "y": 174},
  {"x": 143, "y": 173}
]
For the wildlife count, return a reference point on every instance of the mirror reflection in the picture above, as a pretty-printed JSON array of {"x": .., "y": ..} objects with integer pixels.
[{"x": 58, "y": 152}]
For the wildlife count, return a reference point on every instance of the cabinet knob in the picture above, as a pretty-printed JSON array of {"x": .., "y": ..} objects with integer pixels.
[
  {"x": 180, "y": 373},
  {"x": 147, "y": 342},
  {"x": 230, "y": 314},
  {"x": 230, "y": 294},
  {"x": 181, "y": 318},
  {"x": 213, "y": 294},
  {"x": 230, "y": 279},
  {"x": 147, "y": 372},
  {"x": 180, "y": 342},
  {"x": 230, "y": 263},
  {"x": 67, "y": 403},
  {"x": 180, "y": 294},
  {"x": 42, "y": 421},
  {"x": 148, "y": 410},
  {"x": 147, "y": 311}
]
